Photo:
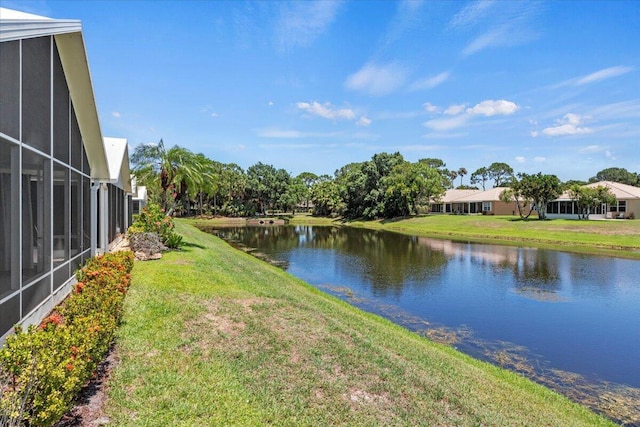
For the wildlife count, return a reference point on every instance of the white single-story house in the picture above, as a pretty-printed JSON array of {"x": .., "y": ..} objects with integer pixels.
[
  {"x": 474, "y": 202},
  {"x": 64, "y": 191},
  {"x": 139, "y": 197},
  {"x": 627, "y": 203}
]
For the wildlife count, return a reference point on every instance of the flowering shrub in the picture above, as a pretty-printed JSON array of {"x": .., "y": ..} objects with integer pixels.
[
  {"x": 152, "y": 219},
  {"x": 46, "y": 366}
]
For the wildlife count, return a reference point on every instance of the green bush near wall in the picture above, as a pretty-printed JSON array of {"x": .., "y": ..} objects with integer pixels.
[
  {"x": 43, "y": 369},
  {"x": 152, "y": 219}
]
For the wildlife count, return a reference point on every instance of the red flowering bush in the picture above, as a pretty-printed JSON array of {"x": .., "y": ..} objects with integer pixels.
[{"x": 45, "y": 367}]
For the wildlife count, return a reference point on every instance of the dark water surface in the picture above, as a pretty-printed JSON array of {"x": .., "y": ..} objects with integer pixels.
[{"x": 571, "y": 321}]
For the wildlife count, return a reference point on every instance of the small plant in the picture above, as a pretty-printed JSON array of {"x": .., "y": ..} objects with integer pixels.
[{"x": 152, "y": 219}]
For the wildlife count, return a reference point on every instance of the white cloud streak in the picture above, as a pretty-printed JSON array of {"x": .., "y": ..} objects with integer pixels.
[
  {"x": 301, "y": 23},
  {"x": 430, "y": 82},
  {"x": 603, "y": 74},
  {"x": 293, "y": 134},
  {"x": 326, "y": 111},
  {"x": 377, "y": 80}
]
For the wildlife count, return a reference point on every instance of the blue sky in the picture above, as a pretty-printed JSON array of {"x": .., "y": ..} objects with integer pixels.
[{"x": 550, "y": 87}]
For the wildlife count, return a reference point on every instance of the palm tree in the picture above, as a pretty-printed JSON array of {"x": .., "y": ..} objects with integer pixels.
[
  {"x": 170, "y": 172},
  {"x": 452, "y": 175},
  {"x": 462, "y": 172}
]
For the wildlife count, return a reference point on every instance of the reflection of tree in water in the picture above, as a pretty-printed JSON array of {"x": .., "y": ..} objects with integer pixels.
[
  {"x": 387, "y": 260},
  {"x": 390, "y": 260},
  {"x": 537, "y": 275}
]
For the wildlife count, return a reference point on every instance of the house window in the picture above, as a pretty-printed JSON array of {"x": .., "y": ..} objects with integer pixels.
[
  {"x": 622, "y": 205},
  {"x": 486, "y": 206}
]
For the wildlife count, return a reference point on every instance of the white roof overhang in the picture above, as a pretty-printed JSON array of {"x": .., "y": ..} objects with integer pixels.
[
  {"x": 117, "y": 150},
  {"x": 15, "y": 25}
]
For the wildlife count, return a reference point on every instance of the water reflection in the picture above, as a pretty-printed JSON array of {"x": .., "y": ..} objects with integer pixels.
[{"x": 534, "y": 311}]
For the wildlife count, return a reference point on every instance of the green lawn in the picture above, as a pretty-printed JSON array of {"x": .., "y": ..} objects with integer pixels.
[{"x": 213, "y": 336}]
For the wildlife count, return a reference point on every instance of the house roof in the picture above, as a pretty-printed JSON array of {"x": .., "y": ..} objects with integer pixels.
[
  {"x": 453, "y": 195},
  {"x": 621, "y": 191},
  {"x": 492, "y": 195},
  {"x": 16, "y": 25},
  {"x": 117, "y": 150},
  {"x": 20, "y": 25}
]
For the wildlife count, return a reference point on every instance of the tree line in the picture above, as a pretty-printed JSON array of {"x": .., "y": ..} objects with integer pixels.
[{"x": 386, "y": 186}]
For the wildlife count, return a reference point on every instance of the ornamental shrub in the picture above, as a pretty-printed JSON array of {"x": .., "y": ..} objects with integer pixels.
[
  {"x": 152, "y": 219},
  {"x": 45, "y": 367}
]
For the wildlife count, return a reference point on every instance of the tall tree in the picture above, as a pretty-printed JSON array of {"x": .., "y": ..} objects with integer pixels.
[
  {"x": 462, "y": 172},
  {"x": 170, "y": 172},
  {"x": 501, "y": 173},
  {"x": 588, "y": 198},
  {"x": 410, "y": 185},
  {"x": 539, "y": 188},
  {"x": 309, "y": 179},
  {"x": 620, "y": 175},
  {"x": 480, "y": 176},
  {"x": 524, "y": 206}
]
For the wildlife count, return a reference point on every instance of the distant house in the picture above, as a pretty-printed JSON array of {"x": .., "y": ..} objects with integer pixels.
[
  {"x": 447, "y": 203},
  {"x": 474, "y": 202},
  {"x": 627, "y": 203},
  {"x": 114, "y": 196},
  {"x": 139, "y": 196},
  {"x": 63, "y": 192}
]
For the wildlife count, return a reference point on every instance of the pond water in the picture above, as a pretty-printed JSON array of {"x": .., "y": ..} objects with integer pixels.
[{"x": 570, "y": 321}]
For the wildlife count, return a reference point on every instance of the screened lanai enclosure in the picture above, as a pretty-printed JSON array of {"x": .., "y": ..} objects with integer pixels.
[{"x": 53, "y": 167}]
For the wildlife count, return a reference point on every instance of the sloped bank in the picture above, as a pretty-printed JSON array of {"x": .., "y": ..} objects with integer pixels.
[{"x": 212, "y": 336}]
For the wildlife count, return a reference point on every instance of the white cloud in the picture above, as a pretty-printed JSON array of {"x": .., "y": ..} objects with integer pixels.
[
  {"x": 301, "y": 23},
  {"x": 448, "y": 123},
  {"x": 430, "y": 82},
  {"x": 270, "y": 104},
  {"x": 566, "y": 129},
  {"x": 460, "y": 114},
  {"x": 540, "y": 159},
  {"x": 377, "y": 80},
  {"x": 520, "y": 159},
  {"x": 214, "y": 115},
  {"x": 273, "y": 132},
  {"x": 364, "y": 121},
  {"x": 603, "y": 74},
  {"x": 326, "y": 110},
  {"x": 491, "y": 108},
  {"x": 116, "y": 114},
  {"x": 591, "y": 149},
  {"x": 568, "y": 125},
  {"x": 534, "y": 133},
  {"x": 452, "y": 110},
  {"x": 430, "y": 108}
]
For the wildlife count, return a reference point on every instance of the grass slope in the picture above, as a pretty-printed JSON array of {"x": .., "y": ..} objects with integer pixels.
[{"x": 212, "y": 336}]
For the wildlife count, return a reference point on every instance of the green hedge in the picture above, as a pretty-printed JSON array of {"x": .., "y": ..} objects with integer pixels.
[{"x": 43, "y": 369}]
